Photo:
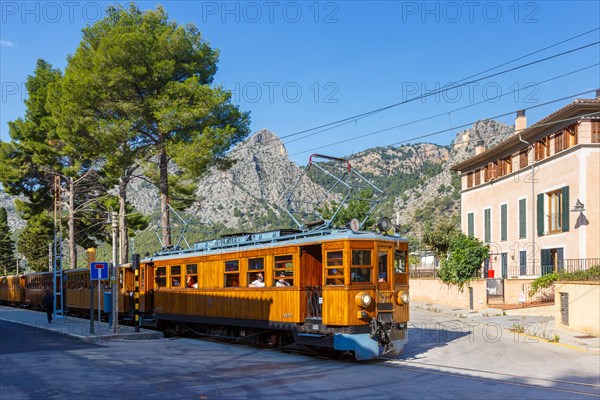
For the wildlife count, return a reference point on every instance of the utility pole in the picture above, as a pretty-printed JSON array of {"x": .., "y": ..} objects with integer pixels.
[{"x": 115, "y": 286}]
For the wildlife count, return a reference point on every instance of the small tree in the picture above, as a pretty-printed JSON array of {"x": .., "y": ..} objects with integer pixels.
[
  {"x": 33, "y": 241},
  {"x": 8, "y": 261},
  {"x": 441, "y": 237},
  {"x": 463, "y": 260}
]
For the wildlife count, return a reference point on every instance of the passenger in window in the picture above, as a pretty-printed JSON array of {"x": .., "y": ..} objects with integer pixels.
[
  {"x": 281, "y": 281},
  {"x": 175, "y": 282},
  {"x": 382, "y": 277},
  {"x": 259, "y": 281},
  {"x": 191, "y": 282}
]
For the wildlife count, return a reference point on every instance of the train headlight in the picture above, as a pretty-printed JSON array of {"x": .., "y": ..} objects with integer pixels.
[
  {"x": 402, "y": 297},
  {"x": 363, "y": 299}
]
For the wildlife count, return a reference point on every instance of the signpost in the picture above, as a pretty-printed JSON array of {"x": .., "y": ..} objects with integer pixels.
[{"x": 99, "y": 272}]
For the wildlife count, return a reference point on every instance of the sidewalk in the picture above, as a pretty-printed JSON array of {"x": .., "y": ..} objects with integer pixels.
[
  {"x": 540, "y": 326},
  {"x": 74, "y": 327}
]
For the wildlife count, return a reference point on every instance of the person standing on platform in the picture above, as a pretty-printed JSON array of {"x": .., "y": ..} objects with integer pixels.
[{"x": 48, "y": 304}]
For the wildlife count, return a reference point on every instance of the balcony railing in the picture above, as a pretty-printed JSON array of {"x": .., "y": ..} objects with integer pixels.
[{"x": 521, "y": 271}]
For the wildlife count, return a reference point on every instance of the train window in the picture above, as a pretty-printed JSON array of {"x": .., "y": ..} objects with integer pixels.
[
  {"x": 400, "y": 261},
  {"x": 175, "y": 275},
  {"x": 382, "y": 262},
  {"x": 191, "y": 273},
  {"x": 232, "y": 273},
  {"x": 283, "y": 271},
  {"x": 335, "y": 268},
  {"x": 256, "y": 269},
  {"x": 361, "y": 266},
  {"x": 161, "y": 277}
]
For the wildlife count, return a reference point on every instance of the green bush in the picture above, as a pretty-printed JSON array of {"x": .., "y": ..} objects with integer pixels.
[{"x": 545, "y": 281}]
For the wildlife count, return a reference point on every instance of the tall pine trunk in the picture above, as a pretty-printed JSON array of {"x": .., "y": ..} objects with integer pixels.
[
  {"x": 123, "y": 239},
  {"x": 164, "y": 198},
  {"x": 71, "y": 209}
]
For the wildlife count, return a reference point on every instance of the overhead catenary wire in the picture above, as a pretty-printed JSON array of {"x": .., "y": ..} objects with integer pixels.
[
  {"x": 456, "y": 109},
  {"x": 462, "y": 82},
  {"x": 452, "y": 128}
]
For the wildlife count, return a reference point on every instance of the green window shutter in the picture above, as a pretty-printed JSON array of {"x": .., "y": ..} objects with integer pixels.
[
  {"x": 470, "y": 224},
  {"x": 487, "y": 232},
  {"x": 540, "y": 214},
  {"x": 503, "y": 222},
  {"x": 522, "y": 219},
  {"x": 565, "y": 209}
]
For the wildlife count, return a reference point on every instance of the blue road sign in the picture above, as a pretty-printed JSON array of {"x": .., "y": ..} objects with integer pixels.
[{"x": 99, "y": 271}]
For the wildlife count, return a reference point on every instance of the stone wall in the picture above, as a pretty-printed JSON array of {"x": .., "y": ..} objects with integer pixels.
[{"x": 583, "y": 306}]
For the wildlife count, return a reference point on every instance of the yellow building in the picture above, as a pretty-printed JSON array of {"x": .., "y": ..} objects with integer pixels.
[{"x": 535, "y": 196}]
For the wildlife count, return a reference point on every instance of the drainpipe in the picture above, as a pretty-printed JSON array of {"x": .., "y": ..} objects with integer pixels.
[{"x": 532, "y": 199}]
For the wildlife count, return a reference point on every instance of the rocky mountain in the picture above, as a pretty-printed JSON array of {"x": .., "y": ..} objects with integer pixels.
[{"x": 416, "y": 178}]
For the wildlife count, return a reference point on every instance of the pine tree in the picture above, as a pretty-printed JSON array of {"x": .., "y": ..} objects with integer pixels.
[
  {"x": 145, "y": 84},
  {"x": 8, "y": 262},
  {"x": 33, "y": 241}
]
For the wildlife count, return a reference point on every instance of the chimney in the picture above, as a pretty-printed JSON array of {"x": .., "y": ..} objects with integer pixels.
[
  {"x": 520, "y": 121},
  {"x": 479, "y": 147}
]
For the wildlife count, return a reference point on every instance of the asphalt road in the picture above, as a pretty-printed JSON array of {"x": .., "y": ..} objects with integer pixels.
[{"x": 447, "y": 359}]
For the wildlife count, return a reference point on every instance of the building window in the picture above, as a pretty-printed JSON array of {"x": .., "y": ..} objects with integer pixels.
[
  {"x": 542, "y": 149},
  {"x": 361, "y": 269},
  {"x": 175, "y": 275},
  {"x": 487, "y": 228},
  {"x": 284, "y": 270},
  {"x": 470, "y": 179},
  {"x": 554, "y": 211},
  {"x": 571, "y": 133},
  {"x": 523, "y": 159},
  {"x": 595, "y": 131},
  {"x": 471, "y": 224},
  {"x": 523, "y": 262},
  {"x": 232, "y": 273},
  {"x": 491, "y": 171},
  {"x": 503, "y": 222},
  {"x": 553, "y": 207},
  {"x": 505, "y": 166},
  {"x": 522, "y": 219},
  {"x": 334, "y": 268},
  {"x": 477, "y": 177}
]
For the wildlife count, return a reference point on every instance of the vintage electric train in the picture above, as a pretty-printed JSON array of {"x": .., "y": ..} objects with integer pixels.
[{"x": 325, "y": 289}]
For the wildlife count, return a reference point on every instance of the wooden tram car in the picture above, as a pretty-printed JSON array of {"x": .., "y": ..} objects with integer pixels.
[
  {"x": 323, "y": 289},
  {"x": 332, "y": 289}
]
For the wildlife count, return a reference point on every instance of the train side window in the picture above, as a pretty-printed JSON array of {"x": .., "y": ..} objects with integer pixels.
[
  {"x": 382, "y": 262},
  {"x": 175, "y": 275},
  {"x": 191, "y": 276},
  {"x": 334, "y": 268},
  {"x": 161, "y": 277},
  {"x": 255, "y": 266},
  {"x": 400, "y": 261},
  {"x": 283, "y": 271},
  {"x": 361, "y": 269},
  {"x": 232, "y": 273}
]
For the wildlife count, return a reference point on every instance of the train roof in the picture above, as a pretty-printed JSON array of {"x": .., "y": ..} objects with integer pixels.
[{"x": 277, "y": 238}]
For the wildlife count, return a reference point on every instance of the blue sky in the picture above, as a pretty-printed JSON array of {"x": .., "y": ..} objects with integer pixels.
[{"x": 297, "y": 65}]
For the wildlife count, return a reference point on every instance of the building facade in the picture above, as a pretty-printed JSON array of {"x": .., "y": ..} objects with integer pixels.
[{"x": 535, "y": 197}]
